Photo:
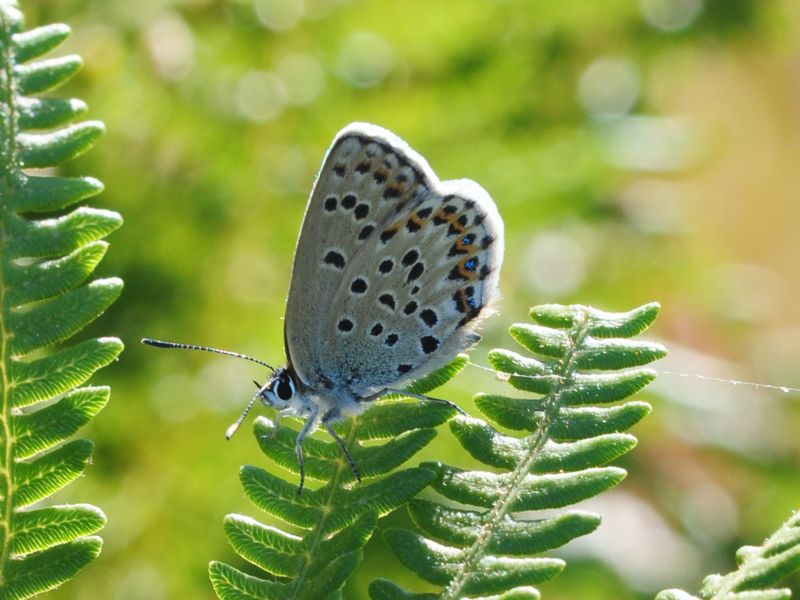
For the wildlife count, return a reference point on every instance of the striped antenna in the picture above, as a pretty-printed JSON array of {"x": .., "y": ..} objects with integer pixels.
[
  {"x": 163, "y": 344},
  {"x": 233, "y": 428}
]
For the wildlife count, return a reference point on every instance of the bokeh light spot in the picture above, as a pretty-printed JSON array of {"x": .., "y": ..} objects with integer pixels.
[
  {"x": 303, "y": 77},
  {"x": 169, "y": 394},
  {"x": 260, "y": 96},
  {"x": 671, "y": 15},
  {"x": 365, "y": 59},
  {"x": 555, "y": 263},
  {"x": 653, "y": 206},
  {"x": 279, "y": 15},
  {"x": 172, "y": 47},
  {"x": 609, "y": 87}
]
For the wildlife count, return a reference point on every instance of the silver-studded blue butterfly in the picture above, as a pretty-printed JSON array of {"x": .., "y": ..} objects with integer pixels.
[{"x": 392, "y": 272}]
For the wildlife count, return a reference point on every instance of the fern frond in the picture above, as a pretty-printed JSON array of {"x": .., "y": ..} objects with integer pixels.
[
  {"x": 338, "y": 518},
  {"x": 48, "y": 252},
  {"x": 761, "y": 568},
  {"x": 482, "y": 544}
]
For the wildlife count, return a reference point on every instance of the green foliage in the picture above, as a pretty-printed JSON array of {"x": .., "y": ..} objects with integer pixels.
[
  {"x": 338, "y": 518},
  {"x": 483, "y": 545},
  {"x": 760, "y": 569},
  {"x": 48, "y": 252}
]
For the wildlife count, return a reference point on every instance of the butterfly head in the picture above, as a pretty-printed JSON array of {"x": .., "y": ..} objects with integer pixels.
[{"x": 279, "y": 391}]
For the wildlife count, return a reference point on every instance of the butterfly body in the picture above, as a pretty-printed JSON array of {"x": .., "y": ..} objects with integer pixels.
[
  {"x": 392, "y": 273},
  {"x": 288, "y": 394}
]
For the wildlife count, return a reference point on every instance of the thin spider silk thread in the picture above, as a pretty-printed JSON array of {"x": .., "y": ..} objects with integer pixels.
[{"x": 761, "y": 386}]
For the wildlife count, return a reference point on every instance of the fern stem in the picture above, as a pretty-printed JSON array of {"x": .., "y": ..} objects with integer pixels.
[
  {"x": 456, "y": 588},
  {"x": 333, "y": 486},
  {"x": 8, "y": 156}
]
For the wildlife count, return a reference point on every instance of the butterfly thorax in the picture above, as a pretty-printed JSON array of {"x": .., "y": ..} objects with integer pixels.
[{"x": 286, "y": 392}]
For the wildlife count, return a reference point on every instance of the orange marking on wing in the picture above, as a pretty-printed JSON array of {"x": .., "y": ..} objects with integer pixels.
[
  {"x": 394, "y": 190},
  {"x": 452, "y": 219},
  {"x": 462, "y": 247},
  {"x": 466, "y": 273},
  {"x": 381, "y": 174},
  {"x": 461, "y": 301},
  {"x": 416, "y": 220}
]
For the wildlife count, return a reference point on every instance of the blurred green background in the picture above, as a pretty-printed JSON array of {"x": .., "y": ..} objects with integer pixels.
[{"x": 638, "y": 150}]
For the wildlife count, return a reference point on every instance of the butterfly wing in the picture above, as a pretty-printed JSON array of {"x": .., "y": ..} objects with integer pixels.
[
  {"x": 345, "y": 208},
  {"x": 393, "y": 267}
]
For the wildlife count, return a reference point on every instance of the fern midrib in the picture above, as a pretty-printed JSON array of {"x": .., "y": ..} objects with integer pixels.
[
  {"x": 318, "y": 530},
  {"x": 10, "y": 178},
  {"x": 455, "y": 589}
]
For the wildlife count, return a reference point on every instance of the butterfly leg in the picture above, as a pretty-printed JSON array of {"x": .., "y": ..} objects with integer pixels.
[
  {"x": 424, "y": 399},
  {"x": 329, "y": 417},
  {"x": 311, "y": 422}
]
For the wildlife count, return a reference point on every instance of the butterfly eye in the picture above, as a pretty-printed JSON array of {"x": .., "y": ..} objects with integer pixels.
[{"x": 284, "y": 389}]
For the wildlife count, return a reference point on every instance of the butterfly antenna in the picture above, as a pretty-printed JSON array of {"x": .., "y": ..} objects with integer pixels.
[
  {"x": 233, "y": 428},
  {"x": 163, "y": 344}
]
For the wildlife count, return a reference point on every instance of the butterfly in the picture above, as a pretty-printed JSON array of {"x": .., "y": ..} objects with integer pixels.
[{"x": 392, "y": 273}]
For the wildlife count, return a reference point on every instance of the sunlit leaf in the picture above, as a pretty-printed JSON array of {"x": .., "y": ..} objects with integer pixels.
[
  {"x": 483, "y": 542},
  {"x": 45, "y": 301}
]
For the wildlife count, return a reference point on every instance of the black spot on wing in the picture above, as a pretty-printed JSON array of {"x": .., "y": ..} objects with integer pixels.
[
  {"x": 388, "y": 234},
  {"x": 359, "y": 286},
  {"x": 412, "y": 226},
  {"x": 392, "y": 192},
  {"x": 365, "y": 232},
  {"x": 456, "y": 274},
  {"x": 410, "y": 308},
  {"x": 429, "y": 317},
  {"x": 386, "y": 266},
  {"x": 387, "y": 300},
  {"x": 410, "y": 257},
  {"x": 416, "y": 271},
  {"x": 429, "y": 344},
  {"x": 335, "y": 259},
  {"x": 361, "y": 211}
]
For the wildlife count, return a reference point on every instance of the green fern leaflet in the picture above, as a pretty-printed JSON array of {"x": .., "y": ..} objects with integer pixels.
[
  {"x": 486, "y": 545},
  {"x": 761, "y": 568},
  {"x": 338, "y": 518},
  {"x": 48, "y": 251}
]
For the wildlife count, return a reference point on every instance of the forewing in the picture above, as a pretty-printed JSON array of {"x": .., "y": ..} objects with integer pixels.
[
  {"x": 393, "y": 268},
  {"x": 368, "y": 177}
]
